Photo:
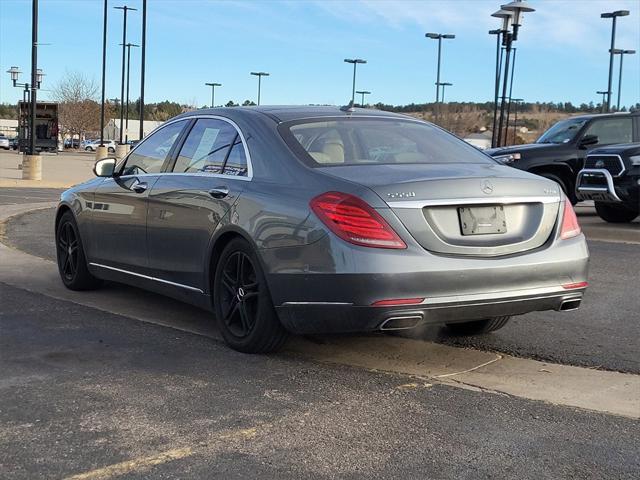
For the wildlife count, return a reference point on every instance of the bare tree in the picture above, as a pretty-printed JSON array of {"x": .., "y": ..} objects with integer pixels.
[{"x": 79, "y": 110}]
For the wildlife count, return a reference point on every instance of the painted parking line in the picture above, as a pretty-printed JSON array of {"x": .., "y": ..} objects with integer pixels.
[{"x": 143, "y": 464}]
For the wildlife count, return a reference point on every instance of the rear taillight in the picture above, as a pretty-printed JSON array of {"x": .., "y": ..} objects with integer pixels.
[
  {"x": 570, "y": 227},
  {"x": 353, "y": 220}
]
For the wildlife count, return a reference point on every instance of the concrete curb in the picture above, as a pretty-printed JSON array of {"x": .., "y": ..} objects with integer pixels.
[{"x": 578, "y": 387}]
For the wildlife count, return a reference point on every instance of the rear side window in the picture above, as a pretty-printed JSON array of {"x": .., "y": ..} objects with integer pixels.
[
  {"x": 150, "y": 155},
  {"x": 612, "y": 130},
  {"x": 359, "y": 141},
  {"x": 206, "y": 147},
  {"x": 237, "y": 161}
]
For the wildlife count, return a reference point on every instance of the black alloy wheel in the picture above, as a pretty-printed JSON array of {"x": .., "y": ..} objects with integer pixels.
[
  {"x": 239, "y": 298},
  {"x": 68, "y": 252},
  {"x": 72, "y": 263},
  {"x": 242, "y": 302}
]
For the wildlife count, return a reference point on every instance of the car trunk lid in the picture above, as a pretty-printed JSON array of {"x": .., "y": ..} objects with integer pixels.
[{"x": 464, "y": 209}]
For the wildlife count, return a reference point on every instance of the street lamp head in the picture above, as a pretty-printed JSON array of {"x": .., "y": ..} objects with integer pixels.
[
  {"x": 435, "y": 36},
  {"x": 39, "y": 76},
  {"x": 363, "y": 92},
  {"x": 448, "y": 35},
  {"x": 125, "y": 8},
  {"x": 15, "y": 73},
  {"x": 517, "y": 7},
  {"x": 213, "y": 84},
  {"x": 628, "y": 52},
  {"x": 506, "y": 18},
  {"x": 354, "y": 60},
  {"x": 260, "y": 74},
  {"x": 601, "y": 93},
  {"x": 497, "y": 31},
  {"x": 617, "y": 13}
]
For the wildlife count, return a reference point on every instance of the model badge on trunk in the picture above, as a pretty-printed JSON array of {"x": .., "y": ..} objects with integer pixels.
[{"x": 401, "y": 194}]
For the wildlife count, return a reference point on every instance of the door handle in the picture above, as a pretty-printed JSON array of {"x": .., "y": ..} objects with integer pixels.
[
  {"x": 219, "y": 192},
  {"x": 140, "y": 187}
]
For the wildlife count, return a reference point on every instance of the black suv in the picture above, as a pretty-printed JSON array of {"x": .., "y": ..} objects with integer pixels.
[
  {"x": 560, "y": 152},
  {"x": 611, "y": 177}
]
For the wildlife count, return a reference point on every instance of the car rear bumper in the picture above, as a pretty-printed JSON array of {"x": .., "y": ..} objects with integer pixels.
[{"x": 334, "y": 317}]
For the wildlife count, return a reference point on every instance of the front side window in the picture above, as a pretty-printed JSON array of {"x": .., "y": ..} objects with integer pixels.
[
  {"x": 358, "y": 141},
  {"x": 611, "y": 130},
  {"x": 206, "y": 147},
  {"x": 562, "y": 132},
  {"x": 151, "y": 154}
]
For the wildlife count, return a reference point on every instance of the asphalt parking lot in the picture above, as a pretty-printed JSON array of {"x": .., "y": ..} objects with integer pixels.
[{"x": 91, "y": 393}]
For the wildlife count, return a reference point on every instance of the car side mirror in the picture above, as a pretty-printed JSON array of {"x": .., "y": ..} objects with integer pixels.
[
  {"x": 588, "y": 140},
  {"x": 105, "y": 167}
]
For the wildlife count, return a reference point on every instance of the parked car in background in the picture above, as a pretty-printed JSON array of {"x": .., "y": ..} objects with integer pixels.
[
  {"x": 14, "y": 143},
  {"x": 559, "y": 153},
  {"x": 93, "y": 145},
  {"x": 611, "y": 177},
  {"x": 71, "y": 143},
  {"x": 323, "y": 219},
  {"x": 4, "y": 142}
]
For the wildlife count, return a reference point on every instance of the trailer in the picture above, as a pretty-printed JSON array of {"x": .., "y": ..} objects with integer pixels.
[{"x": 46, "y": 126}]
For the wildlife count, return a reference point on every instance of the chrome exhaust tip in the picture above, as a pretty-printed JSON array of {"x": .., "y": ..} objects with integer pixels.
[
  {"x": 404, "y": 322},
  {"x": 568, "y": 305}
]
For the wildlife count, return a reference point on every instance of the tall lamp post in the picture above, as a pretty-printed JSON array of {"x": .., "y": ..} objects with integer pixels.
[
  {"x": 622, "y": 53},
  {"x": 363, "y": 93},
  {"x": 259, "y": 75},
  {"x": 603, "y": 93},
  {"x": 28, "y": 88},
  {"x": 104, "y": 72},
  {"x": 515, "y": 115},
  {"x": 614, "y": 16},
  {"x": 124, "y": 9},
  {"x": 213, "y": 94},
  {"x": 126, "y": 125},
  {"x": 439, "y": 37},
  {"x": 355, "y": 62},
  {"x": 142, "y": 67},
  {"x": 496, "y": 91},
  {"x": 516, "y": 9}
]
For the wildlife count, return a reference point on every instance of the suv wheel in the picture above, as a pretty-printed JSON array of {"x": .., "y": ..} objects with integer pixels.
[
  {"x": 478, "y": 327},
  {"x": 615, "y": 213},
  {"x": 242, "y": 302}
]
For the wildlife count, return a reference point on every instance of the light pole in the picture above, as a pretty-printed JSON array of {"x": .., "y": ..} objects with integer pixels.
[
  {"x": 516, "y": 9},
  {"x": 124, "y": 9},
  {"x": 496, "y": 91},
  {"x": 363, "y": 93},
  {"x": 28, "y": 93},
  {"x": 614, "y": 16},
  {"x": 439, "y": 37},
  {"x": 622, "y": 53},
  {"x": 602, "y": 106},
  {"x": 142, "y": 67},
  {"x": 104, "y": 72},
  {"x": 126, "y": 127},
  {"x": 259, "y": 75},
  {"x": 213, "y": 89},
  {"x": 443, "y": 85},
  {"x": 515, "y": 115},
  {"x": 355, "y": 62}
]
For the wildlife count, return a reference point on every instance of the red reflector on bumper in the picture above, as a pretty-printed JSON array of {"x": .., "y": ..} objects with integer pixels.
[
  {"x": 571, "y": 286},
  {"x": 397, "y": 301}
]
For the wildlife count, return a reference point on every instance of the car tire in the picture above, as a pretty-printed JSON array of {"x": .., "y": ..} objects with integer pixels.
[
  {"x": 111, "y": 150},
  {"x": 242, "y": 302},
  {"x": 613, "y": 213},
  {"x": 72, "y": 264},
  {"x": 87, "y": 149},
  {"x": 569, "y": 194},
  {"x": 478, "y": 327}
]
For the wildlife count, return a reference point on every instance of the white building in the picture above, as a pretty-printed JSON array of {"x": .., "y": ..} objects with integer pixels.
[
  {"x": 8, "y": 127},
  {"x": 112, "y": 129}
]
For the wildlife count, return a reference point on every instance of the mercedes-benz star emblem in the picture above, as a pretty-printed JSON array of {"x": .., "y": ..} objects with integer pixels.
[{"x": 487, "y": 187}]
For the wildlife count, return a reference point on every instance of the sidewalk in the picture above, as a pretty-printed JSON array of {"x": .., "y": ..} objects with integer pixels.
[{"x": 58, "y": 171}]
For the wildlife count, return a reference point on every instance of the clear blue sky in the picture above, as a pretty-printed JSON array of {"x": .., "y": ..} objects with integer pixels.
[{"x": 562, "y": 49}]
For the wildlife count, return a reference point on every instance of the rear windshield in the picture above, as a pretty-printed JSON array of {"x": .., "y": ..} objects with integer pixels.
[{"x": 358, "y": 141}]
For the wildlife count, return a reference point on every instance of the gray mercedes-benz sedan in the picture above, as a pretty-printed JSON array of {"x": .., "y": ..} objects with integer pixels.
[{"x": 323, "y": 219}]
